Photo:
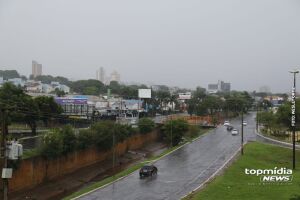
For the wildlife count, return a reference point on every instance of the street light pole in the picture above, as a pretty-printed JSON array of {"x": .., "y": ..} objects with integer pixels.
[
  {"x": 171, "y": 132},
  {"x": 242, "y": 135},
  {"x": 293, "y": 118},
  {"x": 257, "y": 117},
  {"x": 3, "y": 151}
]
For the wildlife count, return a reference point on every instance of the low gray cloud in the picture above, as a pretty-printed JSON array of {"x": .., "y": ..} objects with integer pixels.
[{"x": 183, "y": 43}]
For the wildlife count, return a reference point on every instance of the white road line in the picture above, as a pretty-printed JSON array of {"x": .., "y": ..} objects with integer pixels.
[
  {"x": 213, "y": 175},
  {"x": 153, "y": 161}
]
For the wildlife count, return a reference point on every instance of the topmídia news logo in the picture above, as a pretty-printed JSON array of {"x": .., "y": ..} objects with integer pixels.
[{"x": 276, "y": 175}]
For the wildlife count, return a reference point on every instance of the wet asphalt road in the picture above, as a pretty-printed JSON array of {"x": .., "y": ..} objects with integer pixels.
[{"x": 183, "y": 170}]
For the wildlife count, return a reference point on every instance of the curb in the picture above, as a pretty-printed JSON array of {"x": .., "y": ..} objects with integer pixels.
[
  {"x": 277, "y": 142},
  {"x": 214, "y": 174},
  {"x": 153, "y": 161}
]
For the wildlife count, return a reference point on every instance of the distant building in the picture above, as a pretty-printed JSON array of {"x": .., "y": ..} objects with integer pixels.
[
  {"x": 265, "y": 89},
  {"x": 17, "y": 81},
  {"x": 1, "y": 81},
  {"x": 276, "y": 101},
  {"x": 100, "y": 75},
  {"x": 225, "y": 87},
  {"x": 46, "y": 88},
  {"x": 115, "y": 76},
  {"x": 212, "y": 88},
  {"x": 61, "y": 87},
  {"x": 221, "y": 86},
  {"x": 76, "y": 106},
  {"x": 65, "y": 88},
  {"x": 160, "y": 88},
  {"x": 34, "y": 86},
  {"x": 36, "y": 69}
]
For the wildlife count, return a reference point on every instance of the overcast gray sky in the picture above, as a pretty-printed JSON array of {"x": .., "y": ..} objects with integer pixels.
[{"x": 175, "y": 42}]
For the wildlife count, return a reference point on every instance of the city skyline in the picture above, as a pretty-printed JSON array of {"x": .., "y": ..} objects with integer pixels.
[{"x": 107, "y": 79}]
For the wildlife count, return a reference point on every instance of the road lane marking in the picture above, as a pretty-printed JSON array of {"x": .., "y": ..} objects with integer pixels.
[
  {"x": 214, "y": 174},
  {"x": 153, "y": 161}
]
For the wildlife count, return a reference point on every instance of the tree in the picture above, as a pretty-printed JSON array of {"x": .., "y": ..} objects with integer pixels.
[
  {"x": 192, "y": 105},
  {"x": 284, "y": 114},
  {"x": 173, "y": 100},
  {"x": 52, "y": 145},
  {"x": 115, "y": 87},
  {"x": 68, "y": 138},
  {"x": 48, "y": 79},
  {"x": 86, "y": 138},
  {"x": 19, "y": 106},
  {"x": 146, "y": 125},
  {"x": 213, "y": 104},
  {"x": 48, "y": 108},
  {"x": 30, "y": 113},
  {"x": 59, "y": 93},
  {"x": 9, "y": 74},
  {"x": 268, "y": 119},
  {"x": 174, "y": 130},
  {"x": 163, "y": 97},
  {"x": 199, "y": 93},
  {"x": 88, "y": 87},
  {"x": 265, "y": 104}
]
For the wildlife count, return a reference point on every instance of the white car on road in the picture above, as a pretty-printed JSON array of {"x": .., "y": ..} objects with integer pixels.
[
  {"x": 226, "y": 123},
  {"x": 244, "y": 123},
  {"x": 234, "y": 132}
]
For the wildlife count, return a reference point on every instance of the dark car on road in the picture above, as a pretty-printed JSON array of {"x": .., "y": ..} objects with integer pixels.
[
  {"x": 229, "y": 128},
  {"x": 148, "y": 170}
]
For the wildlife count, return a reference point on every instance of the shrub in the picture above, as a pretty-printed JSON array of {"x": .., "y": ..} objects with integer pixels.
[
  {"x": 146, "y": 125},
  {"x": 85, "y": 138},
  {"x": 174, "y": 130},
  {"x": 52, "y": 144},
  {"x": 69, "y": 139},
  {"x": 193, "y": 131}
]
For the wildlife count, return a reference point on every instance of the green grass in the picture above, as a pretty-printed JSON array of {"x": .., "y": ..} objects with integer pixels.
[
  {"x": 234, "y": 184},
  {"x": 130, "y": 169},
  {"x": 119, "y": 175}
]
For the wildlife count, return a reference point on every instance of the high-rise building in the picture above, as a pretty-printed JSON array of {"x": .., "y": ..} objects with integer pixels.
[
  {"x": 221, "y": 86},
  {"x": 115, "y": 76},
  {"x": 225, "y": 87},
  {"x": 36, "y": 69},
  {"x": 100, "y": 75}
]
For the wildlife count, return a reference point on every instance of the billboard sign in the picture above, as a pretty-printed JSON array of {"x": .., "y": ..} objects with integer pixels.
[
  {"x": 78, "y": 101},
  {"x": 145, "y": 93},
  {"x": 185, "y": 96}
]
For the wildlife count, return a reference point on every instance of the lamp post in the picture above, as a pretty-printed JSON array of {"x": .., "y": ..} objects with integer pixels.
[
  {"x": 242, "y": 135},
  {"x": 293, "y": 118}
]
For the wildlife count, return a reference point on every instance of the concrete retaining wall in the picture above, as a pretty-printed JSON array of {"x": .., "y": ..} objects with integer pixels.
[{"x": 34, "y": 171}]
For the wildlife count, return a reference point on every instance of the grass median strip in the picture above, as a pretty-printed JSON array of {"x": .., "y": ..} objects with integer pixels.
[
  {"x": 235, "y": 184},
  {"x": 130, "y": 169}
]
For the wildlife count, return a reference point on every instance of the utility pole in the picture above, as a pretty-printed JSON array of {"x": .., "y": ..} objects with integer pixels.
[
  {"x": 242, "y": 135},
  {"x": 114, "y": 149},
  {"x": 257, "y": 117},
  {"x": 3, "y": 151},
  {"x": 171, "y": 131},
  {"x": 293, "y": 118}
]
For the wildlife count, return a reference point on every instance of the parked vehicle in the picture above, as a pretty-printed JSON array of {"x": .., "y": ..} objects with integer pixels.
[
  {"x": 229, "y": 128},
  {"x": 244, "y": 123},
  {"x": 234, "y": 132},
  {"x": 148, "y": 170}
]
